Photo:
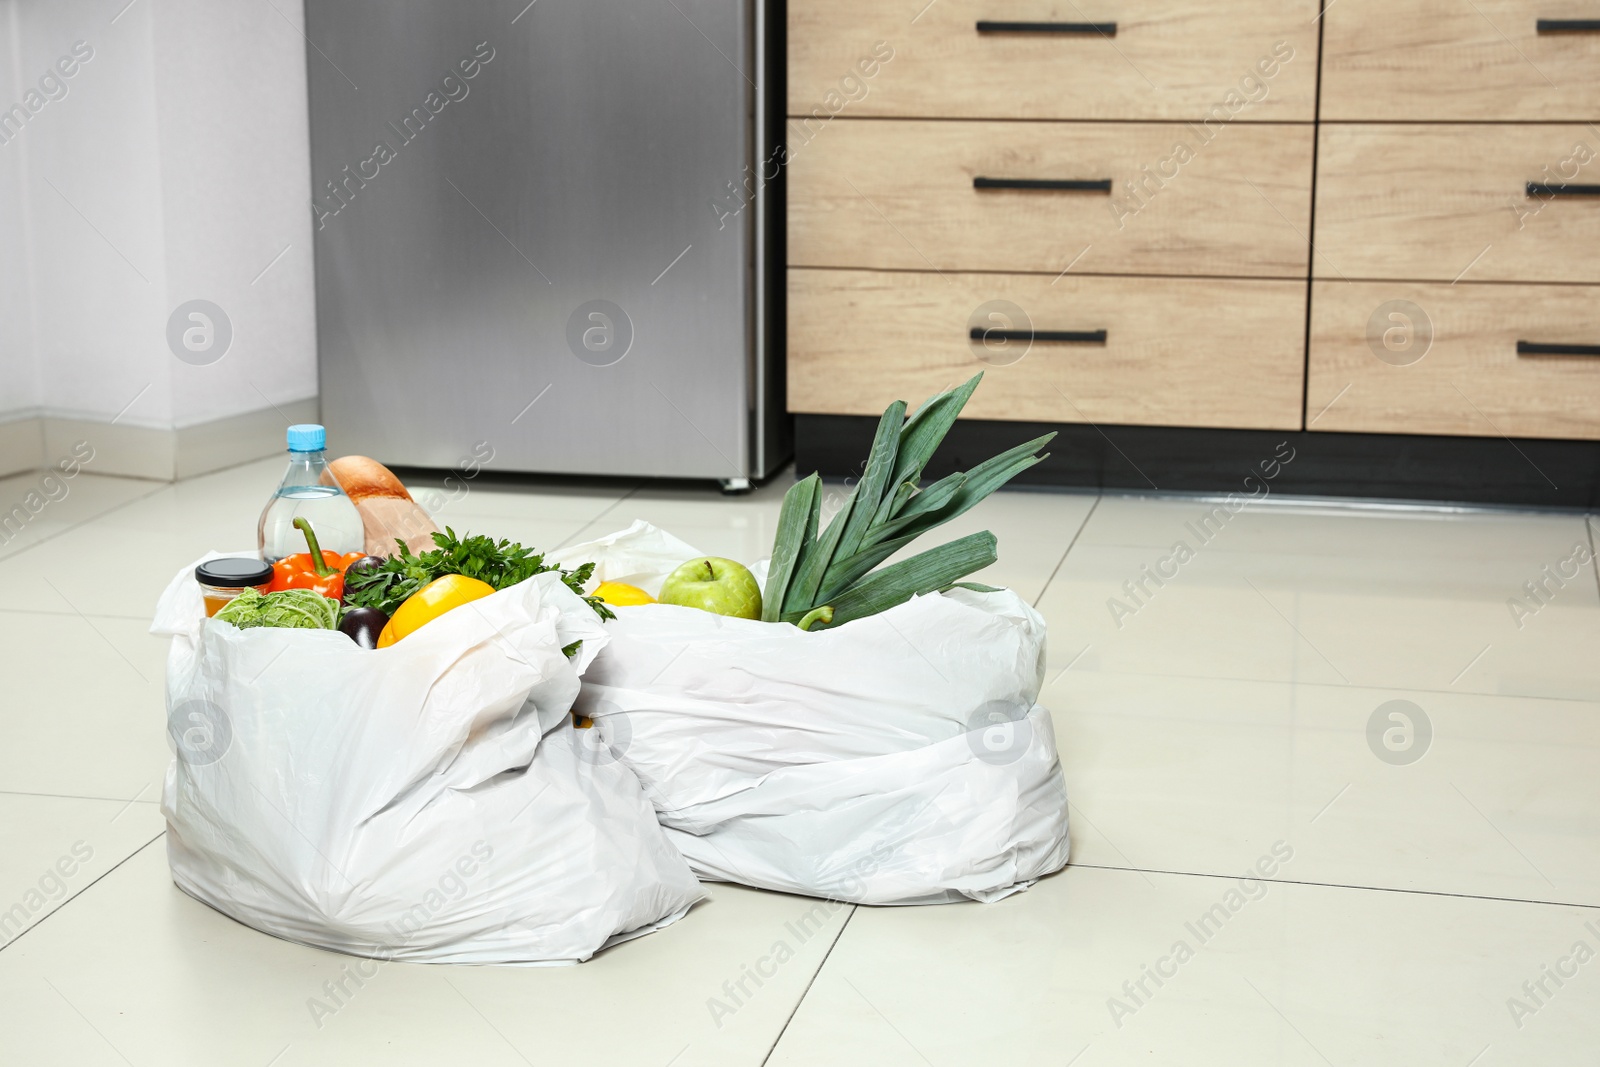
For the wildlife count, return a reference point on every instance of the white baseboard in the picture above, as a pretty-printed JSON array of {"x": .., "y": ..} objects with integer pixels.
[
  {"x": 212, "y": 446},
  {"x": 21, "y": 446},
  {"x": 143, "y": 452},
  {"x": 131, "y": 451}
]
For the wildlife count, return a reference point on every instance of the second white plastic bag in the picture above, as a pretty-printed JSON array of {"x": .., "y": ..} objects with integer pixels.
[{"x": 897, "y": 759}]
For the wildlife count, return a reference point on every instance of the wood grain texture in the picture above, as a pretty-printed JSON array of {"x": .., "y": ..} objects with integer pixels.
[
  {"x": 1465, "y": 62},
  {"x": 1170, "y": 59},
  {"x": 1179, "y": 352},
  {"x": 1411, "y": 201},
  {"x": 1233, "y": 199},
  {"x": 1471, "y": 380}
]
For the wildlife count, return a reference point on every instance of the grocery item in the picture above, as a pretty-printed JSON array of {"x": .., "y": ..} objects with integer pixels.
[
  {"x": 714, "y": 584},
  {"x": 364, "y": 565},
  {"x": 303, "y": 609},
  {"x": 621, "y": 594},
  {"x": 827, "y": 578},
  {"x": 363, "y": 626},
  {"x": 307, "y": 491},
  {"x": 500, "y": 563},
  {"x": 388, "y": 513},
  {"x": 430, "y": 602},
  {"x": 315, "y": 569},
  {"x": 223, "y": 579}
]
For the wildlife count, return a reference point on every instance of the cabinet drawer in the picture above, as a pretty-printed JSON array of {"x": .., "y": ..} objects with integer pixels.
[
  {"x": 1467, "y": 377},
  {"x": 1447, "y": 202},
  {"x": 1160, "y": 198},
  {"x": 1175, "y": 351},
  {"x": 1471, "y": 62},
  {"x": 1255, "y": 60}
]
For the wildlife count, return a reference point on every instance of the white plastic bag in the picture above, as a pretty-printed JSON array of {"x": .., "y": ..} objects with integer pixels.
[
  {"x": 425, "y": 802},
  {"x": 897, "y": 759}
]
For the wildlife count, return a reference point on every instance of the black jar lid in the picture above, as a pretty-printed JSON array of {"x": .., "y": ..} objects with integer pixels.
[{"x": 233, "y": 572}]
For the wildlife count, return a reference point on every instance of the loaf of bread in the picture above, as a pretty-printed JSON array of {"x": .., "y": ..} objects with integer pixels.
[
  {"x": 387, "y": 511},
  {"x": 362, "y": 478}
]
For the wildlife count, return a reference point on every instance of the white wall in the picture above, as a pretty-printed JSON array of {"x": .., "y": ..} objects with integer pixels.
[
  {"x": 230, "y": 83},
  {"x": 174, "y": 168},
  {"x": 94, "y": 211},
  {"x": 19, "y": 380}
]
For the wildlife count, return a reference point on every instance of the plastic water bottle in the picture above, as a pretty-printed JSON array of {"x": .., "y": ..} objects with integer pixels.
[{"x": 308, "y": 492}]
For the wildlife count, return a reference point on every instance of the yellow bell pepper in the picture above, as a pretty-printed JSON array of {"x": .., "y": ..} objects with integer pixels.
[
  {"x": 621, "y": 594},
  {"x": 430, "y": 602}
]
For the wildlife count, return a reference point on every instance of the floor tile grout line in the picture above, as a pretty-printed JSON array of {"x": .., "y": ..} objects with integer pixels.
[
  {"x": 1341, "y": 885},
  {"x": 1076, "y": 811},
  {"x": 801, "y": 999},
  {"x": 1588, "y": 528},
  {"x": 532, "y": 496},
  {"x": 76, "y": 796},
  {"x": 572, "y": 538},
  {"x": 1288, "y": 503},
  {"x": 93, "y": 518},
  {"x": 63, "y": 905},
  {"x": 167, "y": 485},
  {"x": 1082, "y": 526},
  {"x": 75, "y": 615},
  {"x": 1230, "y": 679},
  {"x": 1487, "y": 556}
]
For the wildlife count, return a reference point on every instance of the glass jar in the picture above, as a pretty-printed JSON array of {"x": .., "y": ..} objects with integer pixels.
[{"x": 223, "y": 579}]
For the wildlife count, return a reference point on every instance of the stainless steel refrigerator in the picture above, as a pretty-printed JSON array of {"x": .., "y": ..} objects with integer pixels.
[{"x": 551, "y": 234}]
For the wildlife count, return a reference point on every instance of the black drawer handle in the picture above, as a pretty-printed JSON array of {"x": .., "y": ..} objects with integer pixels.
[
  {"x": 1071, "y": 337},
  {"x": 1083, "y": 185},
  {"x": 1564, "y": 189},
  {"x": 1081, "y": 29},
  {"x": 1568, "y": 25},
  {"x": 1533, "y": 348}
]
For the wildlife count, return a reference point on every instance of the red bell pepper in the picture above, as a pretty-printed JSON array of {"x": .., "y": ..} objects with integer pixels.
[{"x": 317, "y": 570}]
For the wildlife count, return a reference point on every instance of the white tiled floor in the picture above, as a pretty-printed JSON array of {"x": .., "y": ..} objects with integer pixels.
[{"x": 1227, "y": 714}]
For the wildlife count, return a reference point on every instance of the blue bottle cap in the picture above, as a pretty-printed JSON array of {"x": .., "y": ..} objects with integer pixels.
[{"x": 307, "y": 437}]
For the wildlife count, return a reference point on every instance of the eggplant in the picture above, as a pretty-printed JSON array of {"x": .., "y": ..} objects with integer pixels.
[
  {"x": 363, "y": 625},
  {"x": 359, "y": 570},
  {"x": 364, "y": 566}
]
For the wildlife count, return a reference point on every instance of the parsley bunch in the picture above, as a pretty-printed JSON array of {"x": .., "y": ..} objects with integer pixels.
[{"x": 500, "y": 563}]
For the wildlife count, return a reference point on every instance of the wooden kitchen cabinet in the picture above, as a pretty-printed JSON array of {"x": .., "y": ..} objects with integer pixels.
[
  {"x": 1139, "y": 198},
  {"x": 1146, "y": 163},
  {"x": 1446, "y": 202},
  {"x": 1045, "y": 59},
  {"x": 1454, "y": 366},
  {"x": 1251, "y": 214},
  {"x": 1174, "y": 351},
  {"x": 1477, "y": 61}
]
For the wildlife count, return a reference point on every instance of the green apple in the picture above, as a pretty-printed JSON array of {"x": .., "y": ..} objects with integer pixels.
[{"x": 714, "y": 584}]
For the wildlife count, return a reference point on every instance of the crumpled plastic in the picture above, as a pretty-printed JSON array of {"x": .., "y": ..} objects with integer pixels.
[
  {"x": 427, "y": 802},
  {"x": 900, "y": 758}
]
